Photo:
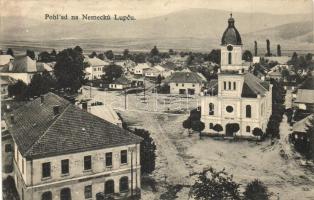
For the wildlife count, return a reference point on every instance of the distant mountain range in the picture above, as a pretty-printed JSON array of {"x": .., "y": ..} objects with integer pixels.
[{"x": 197, "y": 25}]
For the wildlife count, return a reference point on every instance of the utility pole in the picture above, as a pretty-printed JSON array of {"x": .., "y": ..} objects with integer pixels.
[
  {"x": 144, "y": 91},
  {"x": 124, "y": 98}
]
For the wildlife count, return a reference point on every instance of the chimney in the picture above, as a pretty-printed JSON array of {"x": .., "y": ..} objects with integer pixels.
[
  {"x": 42, "y": 98},
  {"x": 84, "y": 106},
  {"x": 12, "y": 118},
  {"x": 56, "y": 110}
]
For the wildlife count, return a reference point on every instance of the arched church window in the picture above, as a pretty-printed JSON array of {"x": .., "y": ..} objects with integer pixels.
[
  {"x": 211, "y": 109},
  {"x": 229, "y": 58},
  {"x": 248, "y": 129},
  {"x": 225, "y": 85},
  {"x": 234, "y": 86},
  {"x": 229, "y": 84},
  {"x": 248, "y": 111}
]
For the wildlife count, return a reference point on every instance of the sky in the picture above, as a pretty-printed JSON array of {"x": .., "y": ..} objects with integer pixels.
[{"x": 147, "y": 8}]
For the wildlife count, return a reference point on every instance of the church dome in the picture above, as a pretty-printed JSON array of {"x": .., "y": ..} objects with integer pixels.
[{"x": 231, "y": 34}]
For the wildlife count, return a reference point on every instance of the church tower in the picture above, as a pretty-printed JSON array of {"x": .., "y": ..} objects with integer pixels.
[{"x": 231, "y": 48}]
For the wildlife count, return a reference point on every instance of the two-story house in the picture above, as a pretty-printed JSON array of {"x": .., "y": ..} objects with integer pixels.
[
  {"x": 183, "y": 82},
  {"x": 62, "y": 152}
]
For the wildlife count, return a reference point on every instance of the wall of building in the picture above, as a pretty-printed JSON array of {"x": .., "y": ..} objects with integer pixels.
[
  {"x": 25, "y": 77},
  {"x": 175, "y": 87}
]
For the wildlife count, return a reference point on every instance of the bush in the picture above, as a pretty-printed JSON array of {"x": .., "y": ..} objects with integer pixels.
[{"x": 256, "y": 190}]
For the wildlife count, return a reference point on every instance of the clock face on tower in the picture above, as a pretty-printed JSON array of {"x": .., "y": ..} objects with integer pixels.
[{"x": 229, "y": 47}]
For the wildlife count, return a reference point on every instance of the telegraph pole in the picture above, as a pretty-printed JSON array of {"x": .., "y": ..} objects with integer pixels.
[{"x": 124, "y": 98}]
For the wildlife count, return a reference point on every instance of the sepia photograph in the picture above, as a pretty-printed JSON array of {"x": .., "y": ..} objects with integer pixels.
[{"x": 157, "y": 99}]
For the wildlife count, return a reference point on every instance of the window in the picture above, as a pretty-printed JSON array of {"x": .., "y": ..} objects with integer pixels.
[
  {"x": 88, "y": 191},
  {"x": 65, "y": 166},
  {"x": 211, "y": 109},
  {"x": 124, "y": 157},
  {"x": 87, "y": 162},
  {"x": 229, "y": 84},
  {"x": 109, "y": 159},
  {"x": 248, "y": 112},
  {"x": 225, "y": 85},
  {"x": 193, "y": 85},
  {"x": 124, "y": 184},
  {"x": 182, "y": 84},
  {"x": 65, "y": 194},
  {"x": 177, "y": 84},
  {"x": 211, "y": 125},
  {"x": 229, "y": 58},
  {"x": 248, "y": 129},
  {"x": 229, "y": 109},
  {"x": 46, "y": 170},
  {"x": 234, "y": 86},
  {"x": 8, "y": 148},
  {"x": 109, "y": 187},
  {"x": 46, "y": 196}
]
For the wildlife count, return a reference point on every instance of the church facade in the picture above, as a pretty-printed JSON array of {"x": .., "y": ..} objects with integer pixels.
[{"x": 238, "y": 101}]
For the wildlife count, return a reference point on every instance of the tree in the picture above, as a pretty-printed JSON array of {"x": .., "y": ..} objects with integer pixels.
[
  {"x": 69, "y": 69},
  {"x": 19, "y": 90},
  {"x": 126, "y": 54},
  {"x": 214, "y": 56},
  {"x": 93, "y": 54},
  {"x": 140, "y": 58},
  {"x": 268, "y": 47},
  {"x": 278, "y": 50},
  {"x": 256, "y": 190},
  {"x": 257, "y": 132},
  {"x": 215, "y": 185},
  {"x": 101, "y": 56},
  {"x": 154, "y": 51},
  {"x": 78, "y": 49},
  {"x": 187, "y": 125},
  {"x": 198, "y": 126},
  {"x": 171, "y": 52},
  {"x": 45, "y": 57},
  {"x": 10, "y": 52},
  {"x": 112, "y": 72},
  {"x": 309, "y": 57},
  {"x": 217, "y": 128},
  {"x": 147, "y": 151},
  {"x": 247, "y": 56},
  {"x": 109, "y": 54},
  {"x": 158, "y": 79},
  {"x": 41, "y": 84},
  {"x": 285, "y": 73},
  {"x": 30, "y": 54},
  {"x": 255, "y": 48}
]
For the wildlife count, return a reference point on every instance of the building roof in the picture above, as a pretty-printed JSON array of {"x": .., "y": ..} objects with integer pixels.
[
  {"x": 308, "y": 84},
  {"x": 122, "y": 80},
  {"x": 39, "y": 133},
  {"x": 231, "y": 34},
  {"x": 142, "y": 66},
  {"x": 184, "y": 77},
  {"x": 24, "y": 64},
  {"x": 253, "y": 86},
  {"x": 5, "y": 59},
  {"x": 302, "y": 125},
  {"x": 6, "y": 80},
  {"x": 305, "y": 96},
  {"x": 93, "y": 62},
  {"x": 106, "y": 112}
]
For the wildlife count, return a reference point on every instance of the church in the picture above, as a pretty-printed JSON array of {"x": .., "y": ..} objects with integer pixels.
[{"x": 238, "y": 101}]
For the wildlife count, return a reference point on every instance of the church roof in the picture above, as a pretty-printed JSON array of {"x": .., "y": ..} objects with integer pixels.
[
  {"x": 253, "y": 86},
  {"x": 231, "y": 34}
]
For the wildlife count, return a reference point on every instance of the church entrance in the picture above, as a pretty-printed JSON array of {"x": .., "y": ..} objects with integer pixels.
[{"x": 231, "y": 129}]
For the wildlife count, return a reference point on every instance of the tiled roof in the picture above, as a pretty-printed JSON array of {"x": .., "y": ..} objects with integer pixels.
[
  {"x": 96, "y": 61},
  {"x": 39, "y": 133},
  {"x": 308, "y": 84},
  {"x": 253, "y": 86},
  {"x": 122, "y": 80},
  {"x": 24, "y": 64},
  {"x": 305, "y": 96},
  {"x": 5, "y": 59},
  {"x": 302, "y": 125},
  {"x": 5, "y": 80},
  {"x": 184, "y": 77}
]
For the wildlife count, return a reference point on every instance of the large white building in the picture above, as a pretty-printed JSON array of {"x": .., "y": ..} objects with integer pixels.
[
  {"x": 238, "y": 100},
  {"x": 62, "y": 152}
]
